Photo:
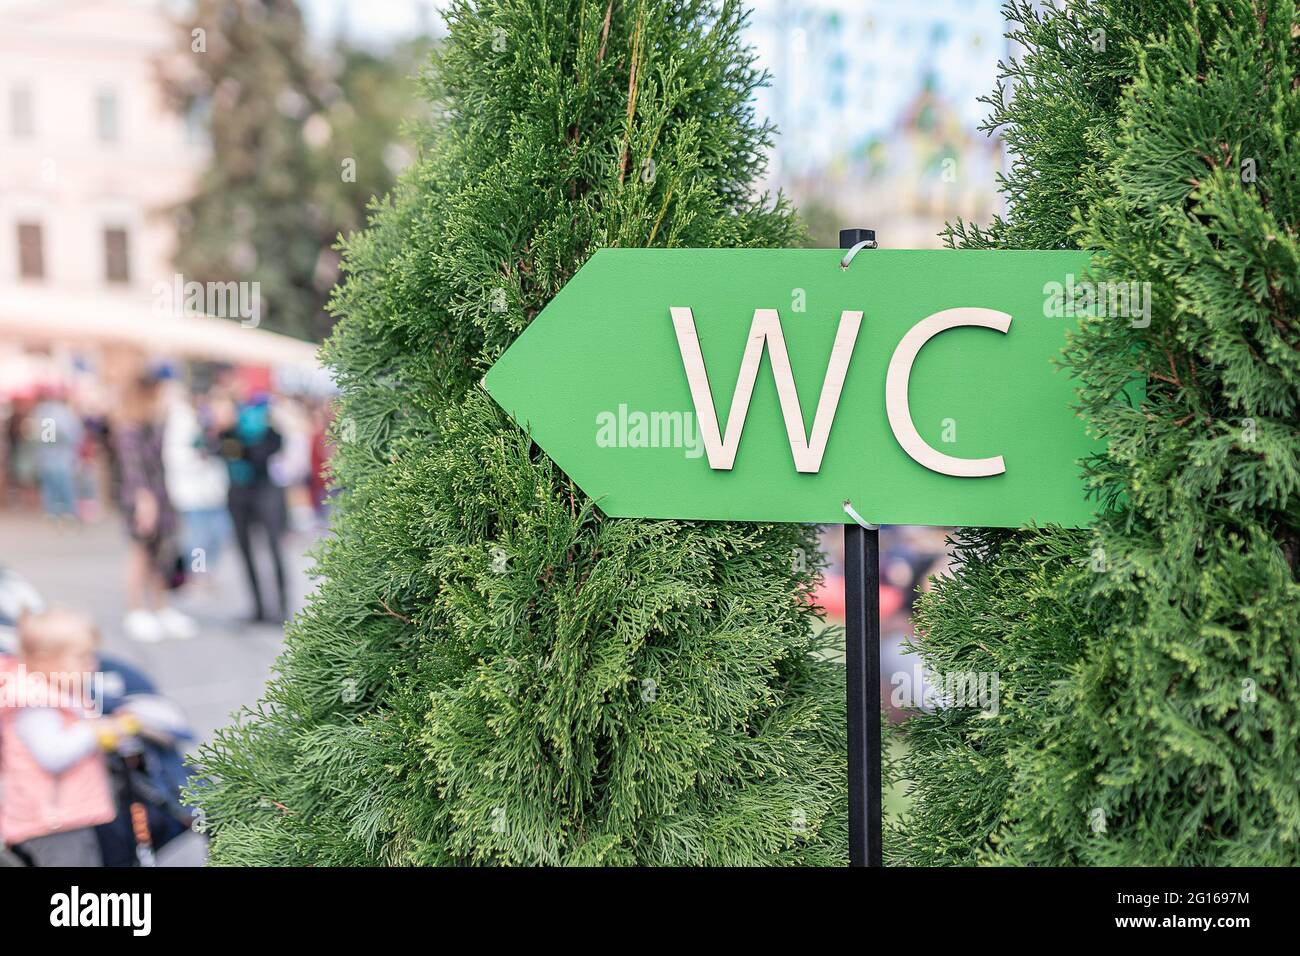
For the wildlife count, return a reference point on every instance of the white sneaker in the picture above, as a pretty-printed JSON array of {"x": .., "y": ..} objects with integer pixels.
[
  {"x": 177, "y": 625},
  {"x": 144, "y": 627}
]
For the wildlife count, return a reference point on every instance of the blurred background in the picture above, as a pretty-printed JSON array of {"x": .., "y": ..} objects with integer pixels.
[{"x": 167, "y": 222}]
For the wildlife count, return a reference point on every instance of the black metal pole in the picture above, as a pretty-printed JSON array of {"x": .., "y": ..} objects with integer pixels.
[{"x": 862, "y": 670}]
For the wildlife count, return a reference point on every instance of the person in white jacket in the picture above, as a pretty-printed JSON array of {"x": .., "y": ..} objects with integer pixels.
[{"x": 197, "y": 482}]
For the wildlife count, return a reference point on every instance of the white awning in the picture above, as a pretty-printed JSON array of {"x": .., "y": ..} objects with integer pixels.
[{"x": 36, "y": 314}]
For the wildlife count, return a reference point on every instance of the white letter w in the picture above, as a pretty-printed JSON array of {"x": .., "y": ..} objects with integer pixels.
[{"x": 766, "y": 327}]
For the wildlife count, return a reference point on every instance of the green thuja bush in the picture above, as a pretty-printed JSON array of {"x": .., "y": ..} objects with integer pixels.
[
  {"x": 492, "y": 670},
  {"x": 1149, "y": 667}
]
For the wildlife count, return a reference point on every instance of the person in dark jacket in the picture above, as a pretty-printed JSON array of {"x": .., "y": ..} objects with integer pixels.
[{"x": 247, "y": 443}]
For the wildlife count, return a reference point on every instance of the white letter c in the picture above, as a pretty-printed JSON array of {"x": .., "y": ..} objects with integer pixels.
[{"x": 900, "y": 374}]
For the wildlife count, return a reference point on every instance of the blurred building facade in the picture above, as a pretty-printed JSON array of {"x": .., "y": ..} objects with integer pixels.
[
  {"x": 93, "y": 161},
  {"x": 92, "y": 155},
  {"x": 878, "y": 112}
]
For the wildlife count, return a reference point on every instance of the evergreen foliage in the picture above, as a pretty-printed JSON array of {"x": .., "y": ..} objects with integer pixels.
[
  {"x": 1150, "y": 667},
  {"x": 493, "y": 671}
]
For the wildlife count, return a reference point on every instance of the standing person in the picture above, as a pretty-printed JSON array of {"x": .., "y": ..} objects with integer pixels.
[
  {"x": 247, "y": 441},
  {"x": 291, "y": 466},
  {"x": 322, "y": 449},
  {"x": 196, "y": 485},
  {"x": 87, "y": 482},
  {"x": 6, "y": 416},
  {"x": 151, "y": 520},
  {"x": 59, "y": 433},
  {"x": 22, "y": 452}
]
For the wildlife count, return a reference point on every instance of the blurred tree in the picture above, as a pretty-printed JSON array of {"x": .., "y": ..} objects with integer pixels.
[
  {"x": 493, "y": 671},
  {"x": 1149, "y": 668},
  {"x": 358, "y": 140},
  {"x": 300, "y": 142},
  {"x": 822, "y": 223}
]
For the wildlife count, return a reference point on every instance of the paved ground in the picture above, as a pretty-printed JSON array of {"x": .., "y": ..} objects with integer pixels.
[{"x": 209, "y": 677}]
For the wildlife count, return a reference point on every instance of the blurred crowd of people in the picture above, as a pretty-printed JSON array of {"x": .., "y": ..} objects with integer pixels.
[
  {"x": 187, "y": 470},
  {"x": 91, "y": 753},
  {"x": 911, "y": 557}
]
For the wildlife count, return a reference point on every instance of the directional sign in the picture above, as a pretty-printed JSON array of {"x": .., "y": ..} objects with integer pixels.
[{"x": 774, "y": 385}]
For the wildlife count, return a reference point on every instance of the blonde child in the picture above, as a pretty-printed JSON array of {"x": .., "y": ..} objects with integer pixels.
[{"x": 54, "y": 786}]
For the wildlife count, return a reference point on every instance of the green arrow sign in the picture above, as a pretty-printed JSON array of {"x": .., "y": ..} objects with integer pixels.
[{"x": 773, "y": 385}]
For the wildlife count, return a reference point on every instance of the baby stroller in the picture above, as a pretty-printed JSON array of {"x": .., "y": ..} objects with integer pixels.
[{"x": 147, "y": 773}]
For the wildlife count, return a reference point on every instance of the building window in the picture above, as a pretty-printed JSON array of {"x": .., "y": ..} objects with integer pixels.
[
  {"x": 31, "y": 251},
  {"x": 117, "y": 262},
  {"x": 22, "y": 117},
  {"x": 106, "y": 116}
]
